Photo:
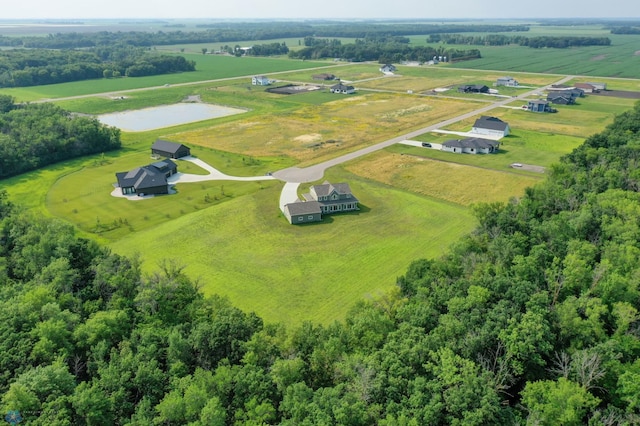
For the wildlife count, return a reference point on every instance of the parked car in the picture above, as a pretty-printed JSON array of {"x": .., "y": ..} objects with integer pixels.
[{"x": 426, "y": 144}]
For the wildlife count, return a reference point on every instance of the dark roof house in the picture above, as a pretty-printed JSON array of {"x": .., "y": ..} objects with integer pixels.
[
  {"x": 147, "y": 180},
  {"x": 169, "y": 149},
  {"x": 539, "y": 105},
  {"x": 323, "y": 76},
  {"x": 493, "y": 126},
  {"x": 342, "y": 88},
  {"x": 473, "y": 88},
  {"x": 471, "y": 146},
  {"x": 561, "y": 98}
]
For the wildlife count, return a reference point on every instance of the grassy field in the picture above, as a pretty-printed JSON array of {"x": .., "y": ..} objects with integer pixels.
[
  {"x": 315, "y": 133},
  {"x": 245, "y": 249},
  {"x": 208, "y": 67}
]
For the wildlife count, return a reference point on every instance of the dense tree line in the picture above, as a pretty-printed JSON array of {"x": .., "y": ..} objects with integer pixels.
[
  {"x": 625, "y": 30},
  {"x": 33, "y": 67},
  {"x": 225, "y": 32},
  {"x": 534, "y": 317},
  {"x": 383, "y": 52},
  {"x": 268, "y": 49},
  {"x": 534, "y": 42},
  {"x": 35, "y": 135}
]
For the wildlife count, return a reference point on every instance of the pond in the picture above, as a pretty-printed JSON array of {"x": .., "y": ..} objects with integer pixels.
[{"x": 153, "y": 118}]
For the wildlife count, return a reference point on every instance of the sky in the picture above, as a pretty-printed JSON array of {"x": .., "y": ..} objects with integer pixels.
[{"x": 290, "y": 9}]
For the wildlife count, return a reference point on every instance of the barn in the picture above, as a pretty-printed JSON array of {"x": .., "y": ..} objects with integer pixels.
[{"x": 168, "y": 149}]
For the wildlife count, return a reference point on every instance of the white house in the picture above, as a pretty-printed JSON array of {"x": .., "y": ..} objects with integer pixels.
[
  {"x": 260, "y": 80},
  {"x": 490, "y": 126},
  {"x": 507, "y": 81},
  {"x": 388, "y": 68}
]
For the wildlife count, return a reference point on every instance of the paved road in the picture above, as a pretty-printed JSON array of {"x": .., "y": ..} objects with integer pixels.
[{"x": 316, "y": 172}]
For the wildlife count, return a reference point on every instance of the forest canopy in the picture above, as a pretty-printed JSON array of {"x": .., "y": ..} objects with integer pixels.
[
  {"x": 534, "y": 317},
  {"x": 35, "y": 135}
]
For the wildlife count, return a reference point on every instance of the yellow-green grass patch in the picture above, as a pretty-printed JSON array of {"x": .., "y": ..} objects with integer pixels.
[
  {"x": 245, "y": 249},
  {"x": 448, "y": 181},
  {"x": 315, "y": 133}
]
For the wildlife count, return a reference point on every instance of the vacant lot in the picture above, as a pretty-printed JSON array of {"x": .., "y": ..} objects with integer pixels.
[{"x": 314, "y": 133}]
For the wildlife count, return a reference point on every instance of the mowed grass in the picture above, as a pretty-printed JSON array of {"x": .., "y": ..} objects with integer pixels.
[
  {"x": 449, "y": 181},
  {"x": 245, "y": 249},
  {"x": 315, "y": 133}
]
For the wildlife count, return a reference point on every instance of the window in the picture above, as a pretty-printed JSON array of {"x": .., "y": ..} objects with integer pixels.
[
  {"x": 300, "y": 218},
  {"x": 310, "y": 217}
]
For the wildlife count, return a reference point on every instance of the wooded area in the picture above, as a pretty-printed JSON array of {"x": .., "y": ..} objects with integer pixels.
[
  {"x": 33, "y": 67},
  {"x": 36, "y": 135},
  {"x": 533, "y": 42},
  {"x": 534, "y": 316}
]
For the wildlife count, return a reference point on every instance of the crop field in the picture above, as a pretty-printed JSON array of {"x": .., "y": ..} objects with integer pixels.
[
  {"x": 246, "y": 250},
  {"x": 618, "y": 60},
  {"x": 313, "y": 133}
]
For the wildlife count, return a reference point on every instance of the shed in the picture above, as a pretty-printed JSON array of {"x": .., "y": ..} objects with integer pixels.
[{"x": 169, "y": 149}]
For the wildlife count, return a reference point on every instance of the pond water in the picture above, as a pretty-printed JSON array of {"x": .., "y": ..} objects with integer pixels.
[{"x": 145, "y": 119}]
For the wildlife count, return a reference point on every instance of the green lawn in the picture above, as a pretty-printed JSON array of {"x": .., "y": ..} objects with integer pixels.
[{"x": 245, "y": 249}]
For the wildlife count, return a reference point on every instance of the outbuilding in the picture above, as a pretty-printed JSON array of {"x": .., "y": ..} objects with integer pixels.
[{"x": 168, "y": 149}]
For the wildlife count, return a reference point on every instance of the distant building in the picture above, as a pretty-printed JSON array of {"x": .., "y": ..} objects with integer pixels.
[
  {"x": 598, "y": 86},
  {"x": 490, "y": 126},
  {"x": 260, "y": 80},
  {"x": 342, "y": 88},
  {"x": 539, "y": 105},
  {"x": 471, "y": 146},
  {"x": 386, "y": 68},
  {"x": 507, "y": 81},
  {"x": 561, "y": 98},
  {"x": 323, "y": 76},
  {"x": 473, "y": 88},
  {"x": 586, "y": 87}
]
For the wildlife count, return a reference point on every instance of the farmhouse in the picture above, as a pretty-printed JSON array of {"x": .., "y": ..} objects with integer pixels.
[
  {"x": 260, "y": 80},
  {"x": 342, "y": 88},
  {"x": 388, "y": 68},
  {"x": 323, "y": 76},
  {"x": 539, "y": 105},
  {"x": 471, "y": 146},
  {"x": 473, "y": 88},
  {"x": 147, "y": 180},
  {"x": 507, "y": 81},
  {"x": 168, "y": 149},
  {"x": 322, "y": 199},
  {"x": 490, "y": 126}
]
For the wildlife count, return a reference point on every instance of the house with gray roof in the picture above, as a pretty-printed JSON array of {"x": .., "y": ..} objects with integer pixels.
[
  {"x": 322, "y": 199},
  {"x": 343, "y": 89},
  {"x": 168, "y": 149},
  {"x": 539, "y": 105},
  {"x": 473, "y": 88},
  {"x": 260, "y": 80},
  {"x": 490, "y": 126},
  {"x": 471, "y": 146},
  {"x": 507, "y": 81},
  {"x": 147, "y": 180}
]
